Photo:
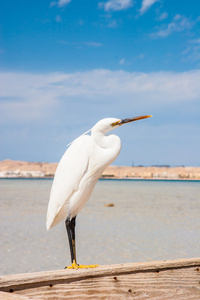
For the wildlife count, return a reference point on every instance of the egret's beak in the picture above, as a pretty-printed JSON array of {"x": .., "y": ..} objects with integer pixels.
[{"x": 128, "y": 120}]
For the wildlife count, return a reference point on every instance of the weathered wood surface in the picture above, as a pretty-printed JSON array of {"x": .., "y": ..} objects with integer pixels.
[
  {"x": 176, "y": 279},
  {"x": 13, "y": 296}
]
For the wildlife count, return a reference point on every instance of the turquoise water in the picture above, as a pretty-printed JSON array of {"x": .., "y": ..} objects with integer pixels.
[{"x": 150, "y": 220}]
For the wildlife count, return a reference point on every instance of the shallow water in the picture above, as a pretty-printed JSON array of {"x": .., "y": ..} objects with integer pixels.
[{"x": 150, "y": 220}]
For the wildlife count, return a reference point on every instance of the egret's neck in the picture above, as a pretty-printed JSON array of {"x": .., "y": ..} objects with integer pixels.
[
  {"x": 100, "y": 139},
  {"x": 110, "y": 146},
  {"x": 106, "y": 141}
]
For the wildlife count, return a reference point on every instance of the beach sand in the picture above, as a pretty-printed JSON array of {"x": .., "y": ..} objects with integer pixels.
[{"x": 11, "y": 168}]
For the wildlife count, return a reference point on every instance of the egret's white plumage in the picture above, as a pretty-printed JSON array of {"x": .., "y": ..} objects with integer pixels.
[
  {"x": 79, "y": 169},
  {"x": 77, "y": 173}
]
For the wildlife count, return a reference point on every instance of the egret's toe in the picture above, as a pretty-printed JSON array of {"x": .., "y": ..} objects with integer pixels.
[{"x": 76, "y": 266}]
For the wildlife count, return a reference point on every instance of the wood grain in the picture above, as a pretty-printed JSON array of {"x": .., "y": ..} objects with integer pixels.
[
  {"x": 12, "y": 296},
  {"x": 177, "y": 279}
]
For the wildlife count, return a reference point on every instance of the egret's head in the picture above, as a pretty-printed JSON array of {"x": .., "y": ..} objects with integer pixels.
[{"x": 109, "y": 124}]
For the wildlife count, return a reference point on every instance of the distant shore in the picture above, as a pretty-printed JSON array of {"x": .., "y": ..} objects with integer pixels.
[{"x": 21, "y": 169}]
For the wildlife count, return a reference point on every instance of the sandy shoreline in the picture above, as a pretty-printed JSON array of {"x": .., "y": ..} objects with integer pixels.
[{"x": 21, "y": 169}]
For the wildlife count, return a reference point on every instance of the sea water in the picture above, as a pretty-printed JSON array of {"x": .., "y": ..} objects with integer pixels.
[{"x": 149, "y": 220}]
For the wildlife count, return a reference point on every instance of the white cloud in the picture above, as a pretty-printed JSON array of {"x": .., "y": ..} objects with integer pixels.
[
  {"x": 62, "y": 3},
  {"x": 196, "y": 41},
  {"x": 57, "y": 107},
  {"x": 195, "y": 56},
  {"x": 27, "y": 86},
  {"x": 122, "y": 61},
  {"x": 92, "y": 44},
  {"x": 146, "y": 4},
  {"x": 112, "y": 24},
  {"x": 81, "y": 44},
  {"x": 179, "y": 23},
  {"x": 27, "y": 96},
  {"x": 53, "y": 3},
  {"x": 163, "y": 16},
  {"x": 58, "y": 19},
  {"x": 116, "y": 5},
  {"x": 192, "y": 53}
]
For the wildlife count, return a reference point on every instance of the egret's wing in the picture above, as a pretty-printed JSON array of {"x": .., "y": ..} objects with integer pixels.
[{"x": 71, "y": 168}]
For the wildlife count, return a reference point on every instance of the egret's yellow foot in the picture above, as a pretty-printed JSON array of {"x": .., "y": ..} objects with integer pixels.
[{"x": 76, "y": 266}]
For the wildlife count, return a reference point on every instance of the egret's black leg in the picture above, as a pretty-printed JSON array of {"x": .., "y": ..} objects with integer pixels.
[
  {"x": 70, "y": 226},
  {"x": 73, "y": 224}
]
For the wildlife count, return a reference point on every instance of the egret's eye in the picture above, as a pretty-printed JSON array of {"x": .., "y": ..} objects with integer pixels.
[{"x": 115, "y": 123}]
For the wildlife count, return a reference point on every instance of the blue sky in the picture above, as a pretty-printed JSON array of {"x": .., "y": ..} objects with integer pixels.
[{"x": 65, "y": 64}]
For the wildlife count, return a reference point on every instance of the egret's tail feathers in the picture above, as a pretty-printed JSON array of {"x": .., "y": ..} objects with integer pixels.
[
  {"x": 50, "y": 222},
  {"x": 53, "y": 220},
  {"x": 48, "y": 225}
]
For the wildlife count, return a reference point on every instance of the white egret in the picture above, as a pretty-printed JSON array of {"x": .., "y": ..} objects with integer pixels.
[{"x": 77, "y": 173}]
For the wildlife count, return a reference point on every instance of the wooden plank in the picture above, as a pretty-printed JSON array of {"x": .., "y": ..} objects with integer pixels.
[
  {"x": 11, "y": 296},
  {"x": 177, "y": 279}
]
